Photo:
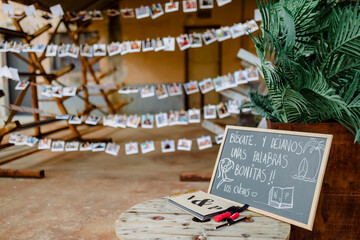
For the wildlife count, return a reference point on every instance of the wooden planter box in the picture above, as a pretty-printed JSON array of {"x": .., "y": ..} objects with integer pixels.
[{"x": 338, "y": 212}]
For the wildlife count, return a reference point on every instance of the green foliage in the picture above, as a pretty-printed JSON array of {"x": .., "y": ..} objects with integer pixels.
[{"x": 310, "y": 59}]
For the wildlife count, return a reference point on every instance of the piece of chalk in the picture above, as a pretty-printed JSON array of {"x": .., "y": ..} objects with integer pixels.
[
  {"x": 235, "y": 216},
  {"x": 220, "y": 217}
]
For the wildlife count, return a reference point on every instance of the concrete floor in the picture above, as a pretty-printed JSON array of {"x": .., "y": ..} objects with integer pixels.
[{"x": 83, "y": 192}]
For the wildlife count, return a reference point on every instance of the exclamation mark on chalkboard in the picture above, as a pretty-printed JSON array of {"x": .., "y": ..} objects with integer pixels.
[{"x": 272, "y": 176}]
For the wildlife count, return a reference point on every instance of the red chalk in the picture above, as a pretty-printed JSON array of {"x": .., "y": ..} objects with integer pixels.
[
  {"x": 220, "y": 217},
  {"x": 235, "y": 216}
]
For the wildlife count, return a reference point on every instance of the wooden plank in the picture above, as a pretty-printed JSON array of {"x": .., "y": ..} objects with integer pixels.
[{"x": 212, "y": 127}]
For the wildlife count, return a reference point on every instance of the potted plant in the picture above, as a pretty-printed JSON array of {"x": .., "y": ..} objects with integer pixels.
[{"x": 310, "y": 59}]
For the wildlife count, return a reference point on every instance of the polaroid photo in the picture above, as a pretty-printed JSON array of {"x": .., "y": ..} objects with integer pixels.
[
  {"x": 168, "y": 146},
  {"x": 219, "y": 84},
  {"x": 62, "y": 50},
  {"x": 22, "y": 85},
  {"x": 109, "y": 120},
  {"x": 135, "y": 46},
  {"x": 72, "y": 51},
  {"x": 209, "y": 36},
  {"x": 169, "y": 43},
  {"x": 3, "y": 46},
  {"x": 189, "y": 5},
  {"x": 174, "y": 89},
  {"x": 57, "y": 146},
  {"x": 26, "y": 48},
  {"x": 171, "y": 7},
  {"x": 71, "y": 146},
  {"x": 99, "y": 50},
  {"x": 44, "y": 144},
  {"x": 233, "y": 106},
  {"x": 222, "y": 110},
  {"x": 206, "y": 4},
  {"x": 120, "y": 121},
  {"x": 69, "y": 91},
  {"x": 156, "y": 10},
  {"x": 51, "y": 50},
  {"x": 21, "y": 140},
  {"x": 96, "y": 15},
  {"x": 161, "y": 92},
  {"x": 127, "y": 13},
  {"x": 219, "y": 138},
  {"x": 112, "y": 12},
  {"x": 131, "y": 148},
  {"x": 194, "y": 115},
  {"x": 223, "y": 33},
  {"x": 31, "y": 141},
  {"x": 161, "y": 120},
  {"x": 206, "y": 85},
  {"x": 9, "y": 46},
  {"x": 240, "y": 77},
  {"x": 57, "y": 11},
  {"x": 148, "y": 45},
  {"x": 142, "y": 12},
  {"x": 125, "y": 47},
  {"x": 112, "y": 149},
  {"x": 195, "y": 40},
  {"x": 237, "y": 30},
  {"x": 183, "y": 42},
  {"x": 252, "y": 74},
  {"x": 85, "y": 146},
  {"x": 8, "y": 9},
  {"x": 57, "y": 91},
  {"x": 134, "y": 89},
  {"x": 184, "y": 145},
  {"x": 75, "y": 120},
  {"x": 191, "y": 87},
  {"x": 84, "y": 15},
  {"x": 17, "y": 47},
  {"x": 250, "y": 26},
  {"x": 172, "y": 118},
  {"x": 13, "y": 137},
  {"x": 92, "y": 120},
  {"x": 147, "y": 146},
  {"x": 182, "y": 118},
  {"x": 114, "y": 48},
  {"x": 63, "y": 117},
  {"x": 86, "y": 50},
  {"x": 147, "y": 91},
  {"x": 124, "y": 90},
  {"x": 147, "y": 121},
  {"x": 46, "y": 91},
  {"x": 98, "y": 147},
  {"x": 5, "y": 72},
  {"x": 204, "y": 142},
  {"x": 210, "y": 112},
  {"x": 160, "y": 45},
  {"x": 229, "y": 80},
  {"x": 133, "y": 121},
  {"x": 221, "y": 3}
]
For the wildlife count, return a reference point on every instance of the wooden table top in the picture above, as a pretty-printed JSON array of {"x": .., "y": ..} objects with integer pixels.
[{"x": 158, "y": 219}]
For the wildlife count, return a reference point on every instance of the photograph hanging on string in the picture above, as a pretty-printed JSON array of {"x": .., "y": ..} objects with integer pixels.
[
  {"x": 219, "y": 84},
  {"x": 206, "y": 85},
  {"x": 182, "y": 118},
  {"x": 21, "y": 85},
  {"x": 252, "y": 74},
  {"x": 109, "y": 120},
  {"x": 183, "y": 42},
  {"x": 161, "y": 120},
  {"x": 72, "y": 51},
  {"x": 229, "y": 80},
  {"x": 237, "y": 30},
  {"x": 147, "y": 146},
  {"x": 85, "y": 146},
  {"x": 56, "y": 91},
  {"x": 63, "y": 116},
  {"x": 127, "y": 13},
  {"x": 194, "y": 115},
  {"x": 131, "y": 148},
  {"x": 233, "y": 106},
  {"x": 114, "y": 48},
  {"x": 191, "y": 87},
  {"x": 86, "y": 50},
  {"x": 221, "y": 3},
  {"x": 135, "y": 46},
  {"x": 125, "y": 47},
  {"x": 96, "y": 15},
  {"x": 120, "y": 121},
  {"x": 112, "y": 149},
  {"x": 204, "y": 142},
  {"x": 184, "y": 145},
  {"x": 147, "y": 121},
  {"x": 44, "y": 143},
  {"x": 61, "y": 50},
  {"x": 75, "y": 120},
  {"x": 99, "y": 50},
  {"x": 112, "y": 12},
  {"x": 71, "y": 146},
  {"x": 171, "y": 6},
  {"x": 241, "y": 77},
  {"x": 223, "y": 33},
  {"x": 210, "y": 112},
  {"x": 209, "y": 36},
  {"x": 195, "y": 40},
  {"x": 133, "y": 121},
  {"x": 57, "y": 146},
  {"x": 142, "y": 12},
  {"x": 169, "y": 43},
  {"x": 69, "y": 91},
  {"x": 92, "y": 120},
  {"x": 189, "y": 6},
  {"x": 168, "y": 146},
  {"x": 161, "y": 91},
  {"x": 20, "y": 140},
  {"x": 148, "y": 45},
  {"x": 31, "y": 141},
  {"x": 219, "y": 138},
  {"x": 206, "y": 4},
  {"x": 148, "y": 91},
  {"x": 156, "y": 10},
  {"x": 173, "y": 118},
  {"x": 222, "y": 110},
  {"x": 174, "y": 89},
  {"x": 98, "y": 147},
  {"x": 51, "y": 50},
  {"x": 159, "y": 44}
]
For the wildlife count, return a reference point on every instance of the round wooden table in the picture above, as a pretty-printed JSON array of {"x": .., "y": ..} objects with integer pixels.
[{"x": 158, "y": 219}]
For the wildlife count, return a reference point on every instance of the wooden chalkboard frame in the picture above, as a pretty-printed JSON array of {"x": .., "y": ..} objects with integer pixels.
[{"x": 311, "y": 218}]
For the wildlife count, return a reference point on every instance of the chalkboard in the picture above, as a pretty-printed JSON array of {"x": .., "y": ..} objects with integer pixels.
[{"x": 278, "y": 173}]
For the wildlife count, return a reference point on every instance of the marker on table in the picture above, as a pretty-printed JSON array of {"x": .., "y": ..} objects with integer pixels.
[{"x": 231, "y": 222}]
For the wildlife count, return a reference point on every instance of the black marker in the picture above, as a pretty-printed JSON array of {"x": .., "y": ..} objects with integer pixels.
[{"x": 231, "y": 222}]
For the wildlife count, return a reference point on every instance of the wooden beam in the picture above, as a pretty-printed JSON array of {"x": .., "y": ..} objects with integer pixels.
[
  {"x": 14, "y": 173},
  {"x": 14, "y": 33},
  {"x": 194, "y": 177},
  {"x": 39, "y": 32}
]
